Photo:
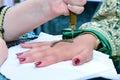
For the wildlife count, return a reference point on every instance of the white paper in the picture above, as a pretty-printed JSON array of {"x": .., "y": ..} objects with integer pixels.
[{"x": 100, "y": 65}]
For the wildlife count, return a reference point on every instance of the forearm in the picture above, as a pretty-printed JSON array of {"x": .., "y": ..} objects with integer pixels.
[
  {"x": 35, "y": 11},
  {"x": 27, "y": 16}
]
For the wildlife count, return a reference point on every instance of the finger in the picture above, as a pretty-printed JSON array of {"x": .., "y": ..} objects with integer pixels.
[
  {"x": 23, "y": 54},
  {"x": 34, "y": 54},
  {"x": 47, "y": 61},
  {"x": 33, "y": 44},
  {"x": 76, "y": 2},
  {"x": 24, "y": 57},
  {"x": 31, "y": 52},
  {"x": 31, "y": 58},
  {"x": 75, "y": 9},
  {"x": 82, "y": 58},
  {"x": 26, "y": 45}
]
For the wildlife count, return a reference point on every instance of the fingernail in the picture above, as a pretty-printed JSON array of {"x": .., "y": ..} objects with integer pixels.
[
  {"x": 76, "y": 61},
  {"x": 37, "y": 64},
  {"x": 69, "y": 5},
  {"x": 22, "y": 59},
  {"x": 18, "y": 54}
]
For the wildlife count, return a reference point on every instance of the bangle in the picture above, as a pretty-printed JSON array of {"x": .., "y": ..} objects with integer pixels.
[
  {"x": 2, "y": 15},
  {"x": 97, "y": 39}
]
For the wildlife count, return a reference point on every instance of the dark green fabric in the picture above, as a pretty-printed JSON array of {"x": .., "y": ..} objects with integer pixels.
[{"x": 67, "y": 34}]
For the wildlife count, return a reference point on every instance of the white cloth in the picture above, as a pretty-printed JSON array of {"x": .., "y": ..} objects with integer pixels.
[{"x": 100, "y": 65}]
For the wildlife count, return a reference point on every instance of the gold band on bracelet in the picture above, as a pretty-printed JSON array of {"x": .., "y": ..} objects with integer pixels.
[
  {"x": 97, "y": 39},
  {"x": 2, "y": 15}
]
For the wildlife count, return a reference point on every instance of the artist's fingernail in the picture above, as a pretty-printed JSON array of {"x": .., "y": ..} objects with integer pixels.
[
  {"x": 22, "y": 59},
  {"x": 37, "y": 64},
  {"x": 18, "y": 54},
  {"x": 69, "y": 5},
  {"x": 76, "y": 61}
]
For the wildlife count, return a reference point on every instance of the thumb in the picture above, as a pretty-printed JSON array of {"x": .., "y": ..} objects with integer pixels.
[{"x": 82, "y": 58}]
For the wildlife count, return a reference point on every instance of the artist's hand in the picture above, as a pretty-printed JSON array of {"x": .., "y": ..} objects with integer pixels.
[
  {"x": 61, "y": 7},
  {"x": 3, "y": 51},
  {"x": 80, "y": 51},
  {"x": 76, "y": 6}
]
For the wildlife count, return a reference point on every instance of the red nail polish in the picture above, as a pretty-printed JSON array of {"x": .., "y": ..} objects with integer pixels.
[
  {"x": 38, "y": 63},
  {"x": 18, "y": 54},
  {"x": 76, "y": 61},
  {"x": 22, "y": 59}
]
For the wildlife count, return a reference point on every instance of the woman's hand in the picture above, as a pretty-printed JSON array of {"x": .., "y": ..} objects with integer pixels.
[
  {"x": 76, "y": 6},
  {"x": 64, "y": 6},
  {"x": 80, "y": 51},
  {"x": 3, "y": 51}
]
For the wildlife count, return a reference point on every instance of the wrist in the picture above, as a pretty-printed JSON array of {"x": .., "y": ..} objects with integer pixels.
[
  {"x": 96, "y": 39},
  {"x": 47, "y": 9},
  {"x": 88, "y": 39}
]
